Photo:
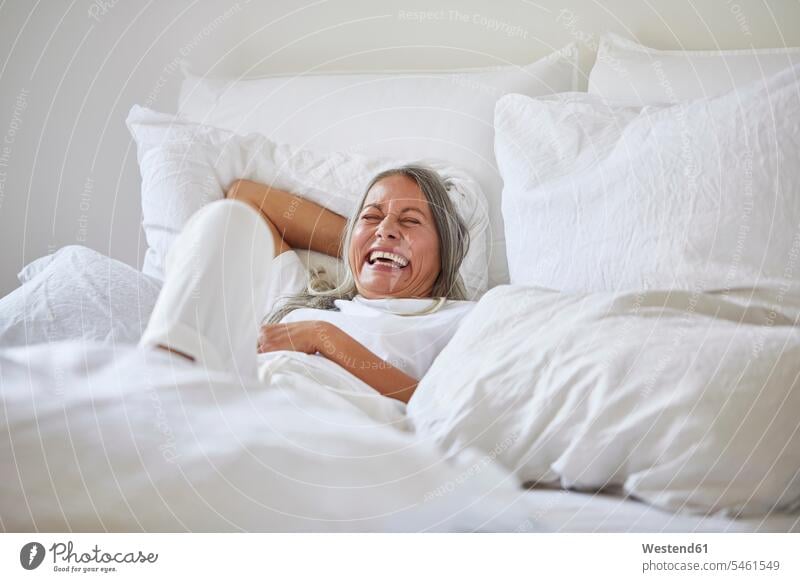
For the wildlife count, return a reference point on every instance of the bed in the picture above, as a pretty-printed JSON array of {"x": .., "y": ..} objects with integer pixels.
[
  {"x": 632, "y": 364},
  {"x": 570, "y": 511}
]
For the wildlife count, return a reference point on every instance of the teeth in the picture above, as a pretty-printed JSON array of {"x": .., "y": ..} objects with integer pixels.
[{"x": 397, "y": 259}]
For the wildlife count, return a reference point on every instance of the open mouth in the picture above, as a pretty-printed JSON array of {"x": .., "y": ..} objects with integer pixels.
[{"x": 387, "y": 259}]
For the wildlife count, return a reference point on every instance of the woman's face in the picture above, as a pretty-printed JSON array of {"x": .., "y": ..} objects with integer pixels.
[{"x": 394, "y": 248}]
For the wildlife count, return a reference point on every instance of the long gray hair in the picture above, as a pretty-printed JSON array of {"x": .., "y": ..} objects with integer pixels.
[{"x": 453, "y": 244}]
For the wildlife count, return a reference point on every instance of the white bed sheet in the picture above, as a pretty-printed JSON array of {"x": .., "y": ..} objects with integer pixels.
[
  {"x": 571, "y": 512},
  {"x": 104, "y": 438}
]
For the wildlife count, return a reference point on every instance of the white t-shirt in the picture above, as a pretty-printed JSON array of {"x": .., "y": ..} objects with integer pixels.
[{"x": 409, "y": 342}]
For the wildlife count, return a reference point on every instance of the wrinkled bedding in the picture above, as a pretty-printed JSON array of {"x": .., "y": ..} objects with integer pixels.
[{"x": 122, "y": 439}]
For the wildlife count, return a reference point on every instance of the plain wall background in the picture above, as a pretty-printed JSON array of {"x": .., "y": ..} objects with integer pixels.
[{"x": 71, "y": 70}]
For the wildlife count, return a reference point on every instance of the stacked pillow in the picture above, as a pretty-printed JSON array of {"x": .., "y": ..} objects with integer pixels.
[{"x": 700, "y": 195}]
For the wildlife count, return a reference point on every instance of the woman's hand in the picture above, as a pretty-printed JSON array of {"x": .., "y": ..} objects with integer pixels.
[{"x": 301, "y": 336}]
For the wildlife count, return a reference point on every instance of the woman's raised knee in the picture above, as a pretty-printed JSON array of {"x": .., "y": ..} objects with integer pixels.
[
  {"x": 229, "y": 209},
  {"x": 234, "y": 220}
]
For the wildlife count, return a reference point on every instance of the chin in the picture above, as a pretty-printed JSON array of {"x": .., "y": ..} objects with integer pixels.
[
  {"x": 379, "y": 287},
  {"x": 377, "y": 293}
]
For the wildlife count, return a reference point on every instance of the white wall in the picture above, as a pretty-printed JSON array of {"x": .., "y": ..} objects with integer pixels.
[{"x": 70, "y": 71}]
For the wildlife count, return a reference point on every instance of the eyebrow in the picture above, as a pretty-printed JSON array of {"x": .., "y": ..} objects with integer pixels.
[{"x": 406, "y": 209}]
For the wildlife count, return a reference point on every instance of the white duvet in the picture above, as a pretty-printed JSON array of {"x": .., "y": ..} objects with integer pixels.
[{"x": 122, "y": 439}]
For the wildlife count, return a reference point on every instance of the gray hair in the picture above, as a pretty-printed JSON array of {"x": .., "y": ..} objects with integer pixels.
[{"x": 453, "y": 244}]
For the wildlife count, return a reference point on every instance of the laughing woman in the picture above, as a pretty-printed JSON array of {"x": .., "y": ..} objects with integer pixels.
[{"x": 400, "y": 302}]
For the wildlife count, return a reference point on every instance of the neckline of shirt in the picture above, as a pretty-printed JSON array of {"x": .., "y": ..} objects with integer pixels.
[{"x": 397, "y": 305}]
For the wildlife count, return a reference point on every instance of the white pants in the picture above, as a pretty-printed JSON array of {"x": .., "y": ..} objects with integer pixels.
[{"x": 216, "y": 284}]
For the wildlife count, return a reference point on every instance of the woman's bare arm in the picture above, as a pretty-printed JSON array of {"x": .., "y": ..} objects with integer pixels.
[
  {"x": 343, "y": 349},
  {"x": 299, "y": 222},
  {"x": 277, "y": 239}
]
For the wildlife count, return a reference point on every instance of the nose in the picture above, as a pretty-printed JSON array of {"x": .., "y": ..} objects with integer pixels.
[{"x": 387, "y": 228}]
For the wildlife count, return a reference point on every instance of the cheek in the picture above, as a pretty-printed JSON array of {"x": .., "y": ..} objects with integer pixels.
[
  {"x": 352, "y": 256},
  {"x": 428, "y": 247},
  {"x": 357, "y": 240},
  {"x": 361, "y": 233}
]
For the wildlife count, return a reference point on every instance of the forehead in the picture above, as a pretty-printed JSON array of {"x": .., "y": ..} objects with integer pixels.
[{"x": 394, "y": 189}]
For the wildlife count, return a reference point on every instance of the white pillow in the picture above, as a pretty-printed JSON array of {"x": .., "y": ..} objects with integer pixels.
[
  {"x": 635, "y": 74},
  {"x": 77, "y": 293},
  {"x": 688, "y": 401},
  {"x": 700, "y": 195},
  {"x": 444, "y": 115},
  {"x": 185, "y": 165},
  {"x": 35, "y": 267}
]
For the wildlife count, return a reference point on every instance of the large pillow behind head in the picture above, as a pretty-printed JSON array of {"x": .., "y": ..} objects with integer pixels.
[
  {"x": 185, "y": 165},
  {"x": 424, "y": 114},
  {"x": 700, "y": 195}
]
